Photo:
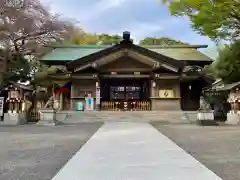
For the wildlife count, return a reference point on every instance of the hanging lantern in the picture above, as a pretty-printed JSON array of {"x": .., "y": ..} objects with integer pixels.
[{"x": 154, "y": 84}]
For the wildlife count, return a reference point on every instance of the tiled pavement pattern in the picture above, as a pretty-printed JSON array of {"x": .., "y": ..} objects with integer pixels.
[{"x": 132, "y": 151}]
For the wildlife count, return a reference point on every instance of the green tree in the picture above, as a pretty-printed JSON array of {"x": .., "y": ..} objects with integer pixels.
[
  {"x": 41, "y": 77},
  {"x": 219, "y": 19},
  {"x": 160, "y": 41},
  {"x": 26, "y": 26},
  {"x": 15, "y": 68},
  {"x": 79, "y": 38},
  {"x": 227, "y": 65},
  {"x": 109, "y": 39}
]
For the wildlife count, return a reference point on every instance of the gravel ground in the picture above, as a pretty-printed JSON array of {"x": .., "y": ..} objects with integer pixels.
[
  {"x": 33, "y": 152},
  {"x": 218, "y": 148}
]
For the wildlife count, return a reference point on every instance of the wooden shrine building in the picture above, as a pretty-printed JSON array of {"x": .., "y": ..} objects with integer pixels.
[{"x": 131, "y": 77}]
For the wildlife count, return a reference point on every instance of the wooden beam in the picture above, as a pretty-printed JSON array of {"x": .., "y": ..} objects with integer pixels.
[
  {"x": 105, "y": 60},
  {"x": 168, "y": 77},
  {"x": 126, "y": 52},
  {"x": 110, "y": 58},
  {"x": 169, "y": 67},
  {"x": 83, "y": 67},
  {"x": 141, "y": 58},
  {"x": 154, "y": 63},
  {"x": 64, "y": 77},
  {"x": 83, "y": 77},
  {"x": 125, "y": 76},
  {"x": 127, "y": 70}
]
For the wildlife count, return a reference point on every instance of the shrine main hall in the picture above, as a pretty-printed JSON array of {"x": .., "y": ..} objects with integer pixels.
[{"x": 127, "y": 77}]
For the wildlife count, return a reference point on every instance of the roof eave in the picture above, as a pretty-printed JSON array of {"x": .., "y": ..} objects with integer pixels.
[
  {"x": 54, "y": 62},
  {"x": 174, "y": 46},
  {"x": 86, "y": 59},
  {"x": 77, "y": 46}
]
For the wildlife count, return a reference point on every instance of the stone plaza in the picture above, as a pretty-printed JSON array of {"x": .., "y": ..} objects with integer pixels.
[{"x": 42, "y": 153}]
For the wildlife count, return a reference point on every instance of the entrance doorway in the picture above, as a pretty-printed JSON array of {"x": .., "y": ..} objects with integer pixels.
[
  {"x": 124, "y": 94},
  {"x": 190, "y": 95}
]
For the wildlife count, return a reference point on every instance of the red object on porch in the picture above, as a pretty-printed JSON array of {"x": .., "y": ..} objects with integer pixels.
[{"x": 64, "y": 89}]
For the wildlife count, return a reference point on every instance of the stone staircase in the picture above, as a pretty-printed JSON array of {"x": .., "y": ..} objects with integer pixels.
[{"x": 168, "y": 117}]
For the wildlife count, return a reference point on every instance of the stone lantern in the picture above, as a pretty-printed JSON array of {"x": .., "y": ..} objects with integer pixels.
[
  {"x": 14, "y": 100},
  {"x": 233, "y": 117},
  {"x": 15, "y": 115}
]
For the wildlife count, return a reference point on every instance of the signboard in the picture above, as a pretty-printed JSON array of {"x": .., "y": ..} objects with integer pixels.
[
  {"x": 98, "y": 96},
  {"x": 168, "y": 93},
  {"x": 1, "y": 105}
]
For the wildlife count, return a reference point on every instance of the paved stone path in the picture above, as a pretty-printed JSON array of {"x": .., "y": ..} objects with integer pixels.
[{"x": 132, "y": 151}]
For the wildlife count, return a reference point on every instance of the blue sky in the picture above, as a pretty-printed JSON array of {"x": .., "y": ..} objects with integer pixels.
[{"x": 143, "y": 18}]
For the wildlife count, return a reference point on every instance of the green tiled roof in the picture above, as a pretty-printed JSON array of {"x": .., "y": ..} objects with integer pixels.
[
  {"x": 69, "y": 53},
  {"x": 73, "y": 52},
  {"x": 188, "y": 54},
  {"x": 227, "y": 87}
]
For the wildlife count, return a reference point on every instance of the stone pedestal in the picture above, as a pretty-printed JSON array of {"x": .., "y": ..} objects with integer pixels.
[
  {"x": 206, "y": 118},
  {"x": 48, "y": 117},
  {"x": 164, "y": 104},
  {"x": 232, "y": 118},
  {"x": 184, "y": 117},
  {"x": 14, "y": 118},
  {"x": 205, "y": 115},
  {"x": 97, "y": 107}
]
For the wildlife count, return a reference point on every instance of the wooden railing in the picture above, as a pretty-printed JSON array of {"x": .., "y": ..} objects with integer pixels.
[{"x": 126, "y": 105}]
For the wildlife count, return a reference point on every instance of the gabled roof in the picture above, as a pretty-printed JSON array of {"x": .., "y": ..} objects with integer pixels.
[
  {"x": 66, "y": 53},
  {"x": 125, "y": 45},
  {"x": 19, "y": 85},
  {"x": 227, "y": 87}
]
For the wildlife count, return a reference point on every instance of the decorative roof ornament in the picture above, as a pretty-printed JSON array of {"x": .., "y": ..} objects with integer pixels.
[{"x": 126, "y": 35}]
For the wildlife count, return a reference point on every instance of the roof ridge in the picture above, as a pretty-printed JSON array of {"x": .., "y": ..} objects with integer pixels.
[
  {"x": 97, "y": 46},
  {"x": 173, "y": 46},
  {"x": 90, "y": 46},
  {"x": 64, "y": 52}
]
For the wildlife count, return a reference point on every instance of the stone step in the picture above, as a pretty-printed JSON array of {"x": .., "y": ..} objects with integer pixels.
[{"x": 142, "y": 116}]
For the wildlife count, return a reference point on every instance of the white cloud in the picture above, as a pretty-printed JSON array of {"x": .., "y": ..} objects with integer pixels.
[
  {"x": 95, "y": 10},
  {"x": 48, "y": 2},
  {"x": 141, "y": 17},
  {"x": 141, "y": 30},
  {"x": 100, "y": 7}
]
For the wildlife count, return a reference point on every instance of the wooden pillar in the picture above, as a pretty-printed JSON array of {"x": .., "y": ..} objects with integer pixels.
[
  {"x": 71, "y": 96},
  {"x": 61, "y": 102},
  {"x": 153, "y": 85},
  {"x": 177, "y": 90},
  {"x": 98, "y": 96},
  {"x": 152, "y": 88}
]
